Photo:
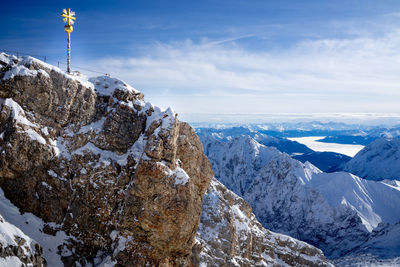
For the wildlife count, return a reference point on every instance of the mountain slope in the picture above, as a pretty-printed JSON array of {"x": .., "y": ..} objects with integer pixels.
[
  {"x": 377, "y": 161},
  {"x": 335, "y": 212},
  {"x": 229, "y": 234}
]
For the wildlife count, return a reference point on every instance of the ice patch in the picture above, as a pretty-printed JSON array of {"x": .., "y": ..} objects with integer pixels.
[
  {"x": 241, "y": 221},
  {"x": 45, "y": 131},
  {"x": 44, "y": 73},
  {"x": 19, "y": 70},
  {"x": 122, "y": 241},
  {"x": 35, "y": 136},
  {"x": 11, "y": 261},
  {"x": 106, "y": 85},
  {"x": 52, "y": 173},
  {"x": 181, "y": 177}
]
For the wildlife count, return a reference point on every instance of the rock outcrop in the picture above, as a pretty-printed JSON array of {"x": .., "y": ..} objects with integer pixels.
[
  {"x": 121, "y": 177},
  {"x": 230, "y": 235}
]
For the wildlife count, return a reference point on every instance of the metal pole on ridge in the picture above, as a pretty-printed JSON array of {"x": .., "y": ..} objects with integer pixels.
[
  {"x": 69, "y": 18},
  {"x": 69, "y": 53}
]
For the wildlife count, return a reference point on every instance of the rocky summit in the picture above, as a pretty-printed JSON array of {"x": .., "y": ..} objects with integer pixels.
[
  {"x": 99, "y": 177},
  {"x": 116, "y": 173}
]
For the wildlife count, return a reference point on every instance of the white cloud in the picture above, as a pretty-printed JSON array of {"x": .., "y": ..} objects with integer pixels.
[{"x": 360, "y": 74}]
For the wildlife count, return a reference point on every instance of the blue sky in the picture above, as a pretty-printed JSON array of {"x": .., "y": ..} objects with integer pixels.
[{"x": 227, "y": 57}]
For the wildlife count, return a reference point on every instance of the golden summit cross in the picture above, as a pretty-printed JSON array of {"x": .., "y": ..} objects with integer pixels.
[
  {"x": 68, "y": 15},
  {"x": 69, "y": 18}
]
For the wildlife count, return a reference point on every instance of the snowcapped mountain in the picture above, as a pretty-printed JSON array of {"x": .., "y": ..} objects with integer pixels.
[
  {"x": 336, "y": 212},
  {"x": 377, "y": 161}
]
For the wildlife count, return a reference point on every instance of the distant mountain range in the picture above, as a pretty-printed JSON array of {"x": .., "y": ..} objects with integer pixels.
[
  {"x": 335, "y": 132},
  {"x": 326, "y": 161}
]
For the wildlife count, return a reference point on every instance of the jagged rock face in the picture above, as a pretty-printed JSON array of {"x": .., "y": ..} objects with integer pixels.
[
  {"x": 120, "y": 176},
  {"x": 17, "y": 249},
  {"x": 230, "y": 235}
]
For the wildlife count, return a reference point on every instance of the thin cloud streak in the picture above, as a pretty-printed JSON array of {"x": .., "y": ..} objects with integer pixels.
[{"x": 323, "y": 75}]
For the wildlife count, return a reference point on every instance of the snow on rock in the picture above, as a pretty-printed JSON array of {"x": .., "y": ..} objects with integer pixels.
[
  {"x": 19, "y": 70},
  {"x": 35, "y": 136},
  {"x": 6, "y": 59},
  {"x": 379, "y": 160},
  {"x": 15, "y": 227},
  {"x": 240, "y": 162},
  {"x": 229, "y": 234},
  {"x": 17, "y": 113},
  {"x": 106, "y": 85},
  {"x": 21, "y": 66},
  {"x": 336, "y": 212},
  {"x": 181, "y": 177}
]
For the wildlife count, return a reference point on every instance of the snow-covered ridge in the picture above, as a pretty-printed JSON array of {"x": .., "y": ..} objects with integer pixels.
[
  {"x": 377, "y": 161},
  {"x": 21, "y": 66},
  {"x": 106, "y": 85}
]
